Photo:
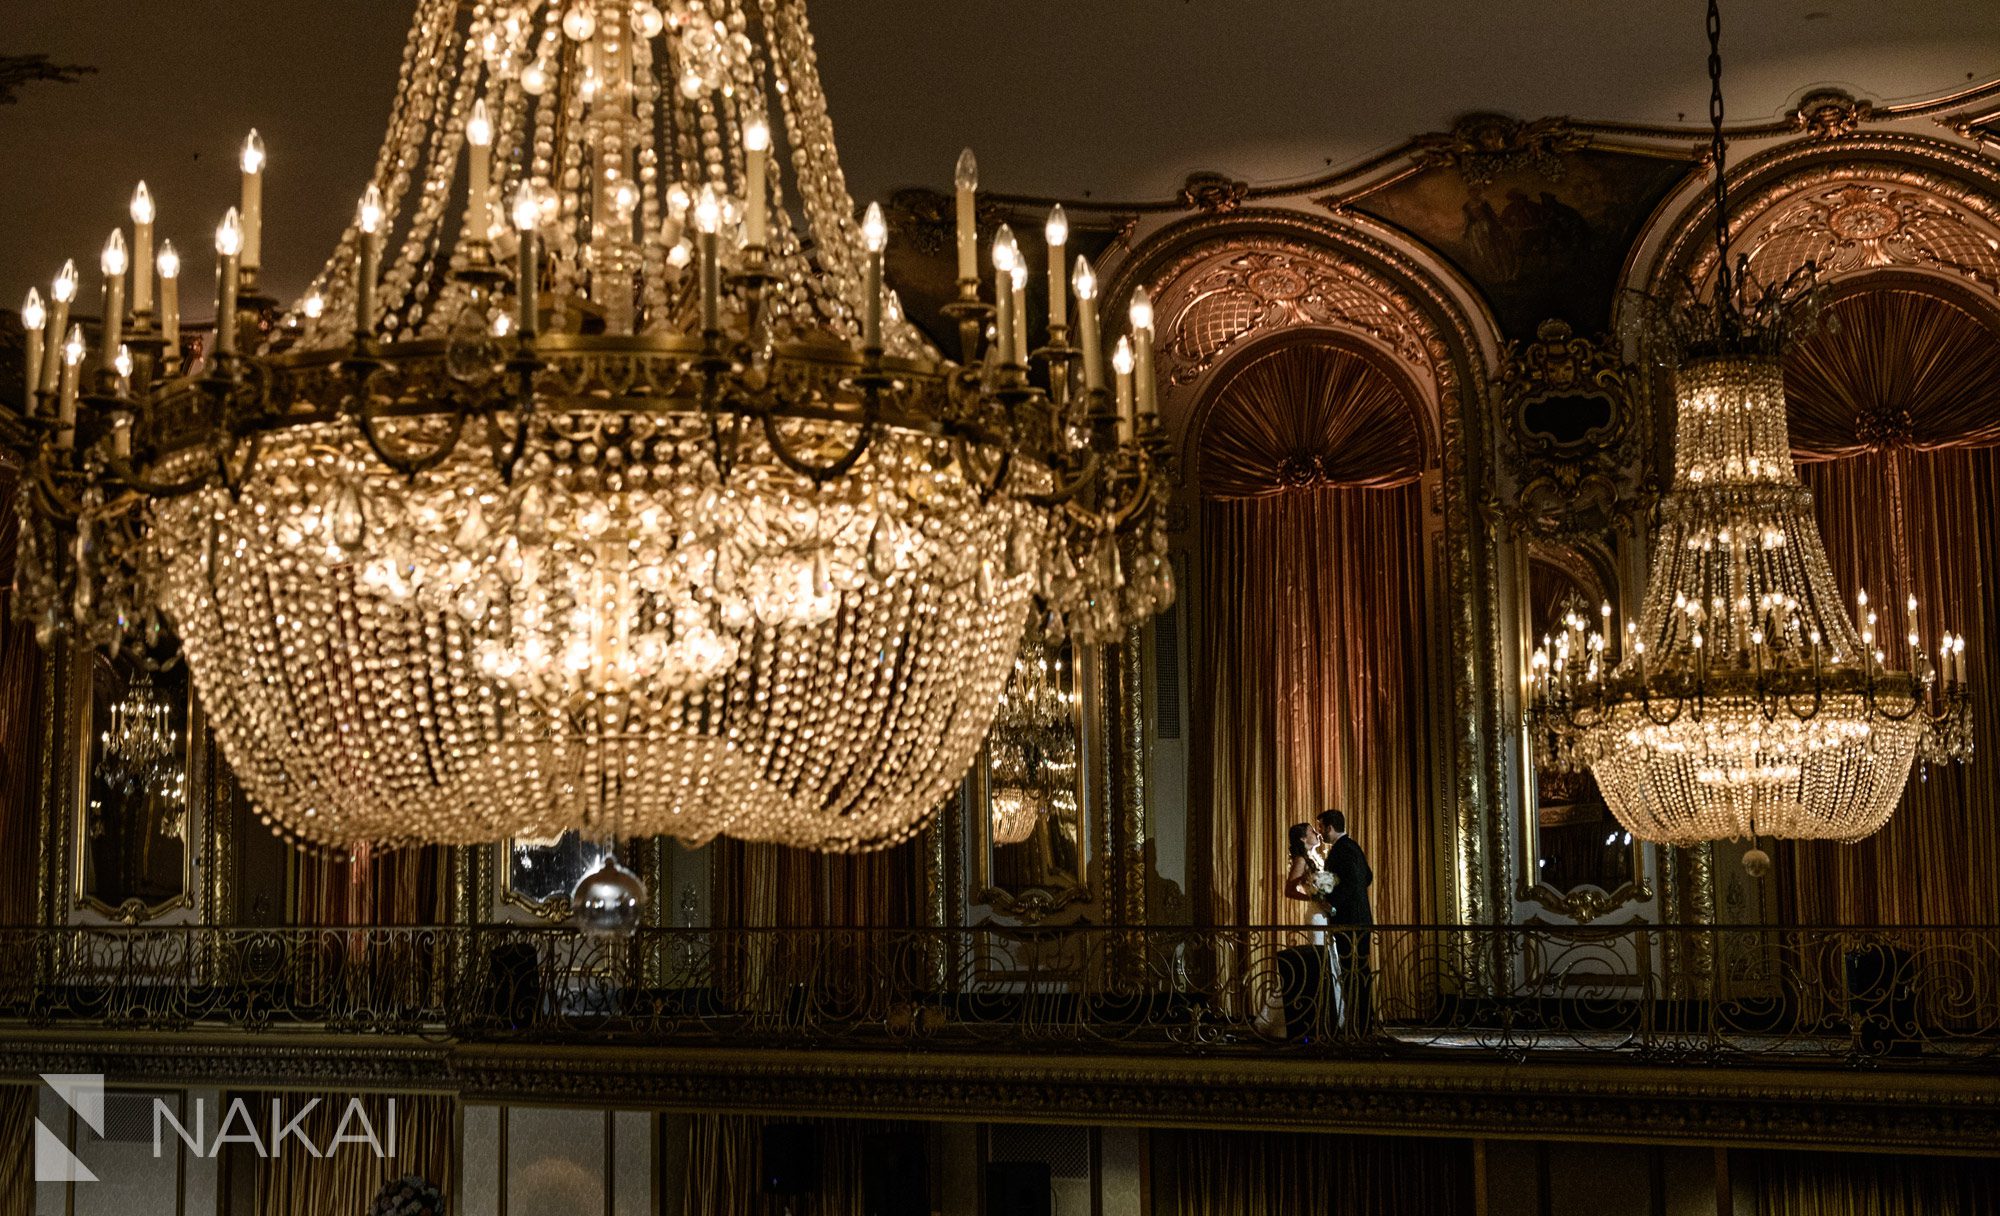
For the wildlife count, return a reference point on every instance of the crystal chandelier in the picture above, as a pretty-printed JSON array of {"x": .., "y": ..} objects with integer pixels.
[
  {"x": 598, "y": 482},
  {"x": 139, "y": 750},
  {"x": 1034, "y": 744},
  {"x": 1744, "y": 701}
]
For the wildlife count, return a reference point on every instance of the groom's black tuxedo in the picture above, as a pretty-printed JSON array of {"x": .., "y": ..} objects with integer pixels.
[{"x": 1348, "y": 905}]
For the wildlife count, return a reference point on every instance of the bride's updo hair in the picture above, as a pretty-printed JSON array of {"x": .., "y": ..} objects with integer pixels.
[{"x": 1298, "y": 837}]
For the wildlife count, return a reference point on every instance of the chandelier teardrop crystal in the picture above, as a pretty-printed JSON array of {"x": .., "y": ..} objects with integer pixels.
[{"x": 598, "y": 482}]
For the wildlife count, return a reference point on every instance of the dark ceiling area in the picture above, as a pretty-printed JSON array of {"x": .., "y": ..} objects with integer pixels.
[{"x": 1116, "y": 99}]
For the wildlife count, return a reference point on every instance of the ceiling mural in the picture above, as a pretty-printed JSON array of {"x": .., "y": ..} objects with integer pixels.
[{"x": 1531, "y": 214}]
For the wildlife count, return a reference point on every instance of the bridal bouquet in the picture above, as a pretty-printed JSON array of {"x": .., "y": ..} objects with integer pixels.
[{"x": 1323, "y": 883}]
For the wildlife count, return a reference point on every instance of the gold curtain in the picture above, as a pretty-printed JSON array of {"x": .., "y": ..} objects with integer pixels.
[
  {"x": 296, "y": 1183},
  {"x": 1315, "y": 642},
  {"x": 1869, "y": 1184},
  {"x": 764, "y": 886},
  {"x": 725, "y": 1158},
  {"x": 401, "y": 887},
  {"x": 1290, "y": 1174},
  {"x": 1896, "y": 419},
  {"x": 773, "y": 886},
  {"x": 17, "y": 1149}
]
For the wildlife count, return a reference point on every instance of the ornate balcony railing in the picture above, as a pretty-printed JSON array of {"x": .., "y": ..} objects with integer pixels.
[{"x": 1930, "y": 996}]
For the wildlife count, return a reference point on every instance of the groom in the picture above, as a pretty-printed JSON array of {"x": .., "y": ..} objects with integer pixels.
[{"x": 1348, "y": 915}]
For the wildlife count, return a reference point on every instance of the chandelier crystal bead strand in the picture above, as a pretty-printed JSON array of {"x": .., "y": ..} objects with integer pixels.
[{"x": 598, "y": 481}]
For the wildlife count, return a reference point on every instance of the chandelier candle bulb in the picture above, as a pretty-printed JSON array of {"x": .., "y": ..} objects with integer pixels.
[
  {"x": 875, "y": 237},
  {"x": 61, "y": 292},
  {"x": 966, "y": 179},
  {"x": 168, "y": 263},
  {"x": 72, "y": 368},
  {"x": 1020, "y": 273},
  {"x": 1004, "y": 257},
  {"x": 708, "y": 228},
  {"x": 228, "y": 249},
  {"x": 528, "y": 275},
  {"x": 34, "y": 322},
  {"x": 1122, "y": 364},
  {"x": 756, "y": 191},
  {"x": 368, "y": 218},
  {"x": 1142, "y": 352},
  {"x": 113, "y": 263},
  {"x": 1084, "y": 279},
  {"x": 252, "y": 163},
  {"x": 142, "y": 251},
  {"x": 479, "y": 173},
  {"x": 121, "y": 363},
  {"x": 1057, "y": 232}
]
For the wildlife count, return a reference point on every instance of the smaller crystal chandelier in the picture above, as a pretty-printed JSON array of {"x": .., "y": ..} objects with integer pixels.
[
  {"x": 1034, "y": 744},
  {"x": 1744, "y": 701},
  {"x": 139, "y": 750}
]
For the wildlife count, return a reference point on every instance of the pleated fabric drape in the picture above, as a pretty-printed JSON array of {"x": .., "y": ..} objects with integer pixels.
[
  {"x": 1316, "y": 653},
  {"x": 856, "y": 901},
  {"x": 1304, "y": 414},
  {"x": 725, "y": 1156},
  {"x": 775, "y": 886},
  {"x": 17, "y": 1148},
  {"x": 1315, "y": 633},
  {"x": 1896, "y": 420},
  {"x": 1868, "y": 1184},
  {"x": 1296, "y": 1174},
  {"x": 401, "y": 887},
  {"x": 345, "y": 1182}
]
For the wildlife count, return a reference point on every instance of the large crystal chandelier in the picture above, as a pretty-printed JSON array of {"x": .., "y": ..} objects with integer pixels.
[
  {"x": 1744, "y": 701},
  {"x": 598, "y": 482}
]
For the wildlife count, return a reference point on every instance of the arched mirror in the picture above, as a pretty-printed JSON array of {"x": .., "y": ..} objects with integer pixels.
[
  {"x": 1031, "y": 793},
  {"x": 136, "y": 841},
  {"x": 1576, "y": 860}
]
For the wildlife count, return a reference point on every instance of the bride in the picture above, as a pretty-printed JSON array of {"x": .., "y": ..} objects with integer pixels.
[{"x": 1304, "y": 881}]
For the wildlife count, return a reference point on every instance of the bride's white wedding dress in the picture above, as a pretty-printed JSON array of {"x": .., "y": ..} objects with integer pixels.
[{"x": 1337, "y": 1017}]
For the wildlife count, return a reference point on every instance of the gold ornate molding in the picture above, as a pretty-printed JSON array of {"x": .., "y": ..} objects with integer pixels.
[
  {"x": 1213, "y": 192},
  {"x": 1575, "y": 474},
  {"x": 1854, "y": 205},
  {"x": 1216, "y": 305},
  {"x": 1828, "y": 1108},
  {"x": 1482, "y": 146}
]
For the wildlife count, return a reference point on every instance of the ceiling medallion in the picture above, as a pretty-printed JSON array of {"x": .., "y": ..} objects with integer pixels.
[
  {"x": 1858, "y": 218},
  {"x": 1744, "y": 701},
  {"x": 598, "y": 482}
]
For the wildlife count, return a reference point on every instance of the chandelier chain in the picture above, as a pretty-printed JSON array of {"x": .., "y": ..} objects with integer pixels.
[{"x": 1719, "y": 152}]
